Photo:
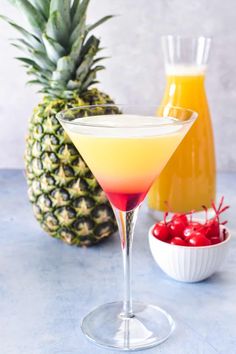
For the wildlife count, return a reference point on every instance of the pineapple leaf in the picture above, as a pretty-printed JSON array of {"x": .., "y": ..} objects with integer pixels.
[
  {"x": 100, "y": 59},
  {"x": 74, "y": 8},
  {"x": 77, "y": 48},
  {"x": 54, "y": 50},
  {"x": 65, "y": 69},
  {"x": 43, "y": 77},
  {"x": 63, "y": 8},
  {"x": 80, "y": 12},
  {"x": 56, "y": 28},
  {"x": 87, "y": 59},
  {"x": 31, "y": 38},
  {"x": 34, "y": 17},
  {"x": 42, "y": 6},
  {"x": 79, "y": 31},
  {"x": 29, "y": 63},
  {"x": 65, "y": 64},
  {"x": 60, "y": 55},
  {"x": 40, "y": 79},
  {"x": 59, "y": 93},
  {"x": 38, "y": 57},
  {"x": 34, "y": 82},
  {"x": 91, "y": 77},
  {"x": 73, "y": 84},
  {"x": 18, "y": 46},
  {"x": 23, "y": 44},
  {"x": 34, "y": 67},
  {"x": 98, "y": 68},
  {"x": 42, "y": 60},
  {"x": 94, "y": 82},
  {"x": 98, "y": 23},
  {"x": 91, "y": 41}
]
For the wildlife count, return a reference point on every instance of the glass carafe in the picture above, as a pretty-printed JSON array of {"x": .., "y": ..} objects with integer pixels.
[{"x": 188, "y": 180}]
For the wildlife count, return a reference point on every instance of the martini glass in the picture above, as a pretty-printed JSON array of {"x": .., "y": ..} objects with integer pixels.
[{"x": 126, "y": 151}]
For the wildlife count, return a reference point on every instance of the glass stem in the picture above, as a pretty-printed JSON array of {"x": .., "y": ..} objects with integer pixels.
[{"x": 126, "y": 221}]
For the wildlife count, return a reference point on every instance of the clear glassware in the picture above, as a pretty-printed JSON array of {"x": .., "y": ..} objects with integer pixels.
[
  {"x": 189, "y": 179},
  {"x": 118, "y": 143},
  {"x": 186, "y": 52}
]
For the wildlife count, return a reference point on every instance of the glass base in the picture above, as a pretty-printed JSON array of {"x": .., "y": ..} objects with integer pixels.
[
  {"x": 158, "y": 215},
  {"x": 106, "y": 327}
]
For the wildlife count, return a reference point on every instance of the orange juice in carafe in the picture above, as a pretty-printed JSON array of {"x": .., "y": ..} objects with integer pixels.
[{"x": 188, "y": 180}]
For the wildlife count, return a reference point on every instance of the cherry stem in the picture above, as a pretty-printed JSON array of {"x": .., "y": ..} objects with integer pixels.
[
  {"x": 206, "y": 211},
  {"x": 165, "y": 216},
  {"x": 214, "y": 207},
  {"x": 221, "y": 203},
  {"x": 222, "y": 210},
  {"x": 191, "y": 215}
]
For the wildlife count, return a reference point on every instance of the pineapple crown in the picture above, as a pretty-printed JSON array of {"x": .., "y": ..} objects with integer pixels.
[{"x": 60, "y": 53}]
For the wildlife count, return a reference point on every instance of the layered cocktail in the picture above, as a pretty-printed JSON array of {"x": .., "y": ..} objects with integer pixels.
[{"x": 126, "y": 152}]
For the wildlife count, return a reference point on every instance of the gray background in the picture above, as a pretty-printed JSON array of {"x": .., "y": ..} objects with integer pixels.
[{"x": 135, "y": 73}]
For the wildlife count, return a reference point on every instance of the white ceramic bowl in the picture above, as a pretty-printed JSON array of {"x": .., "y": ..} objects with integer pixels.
[{"x": 189, "y": 264}]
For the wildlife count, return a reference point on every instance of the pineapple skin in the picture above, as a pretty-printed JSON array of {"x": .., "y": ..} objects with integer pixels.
[{"x": 67, "y": 200}]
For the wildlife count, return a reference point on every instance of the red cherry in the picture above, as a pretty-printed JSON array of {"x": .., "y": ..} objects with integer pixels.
[
  {"x": 178, "y": 241},
  {"x": 196, "y": 224},
  {"x": 176, "y": 228},
  {"x": 215, "y": 240},
  {"x": 212, "y": 228},
  {"x": 189, "y": 230},
  {"x": 198, "y": 239},
  {"x": 161, "y": 231},
  {"x": 180, "y": 217}
]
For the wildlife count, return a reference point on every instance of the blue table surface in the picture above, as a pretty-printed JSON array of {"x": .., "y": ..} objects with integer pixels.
[{"x": 46, "y": 286}]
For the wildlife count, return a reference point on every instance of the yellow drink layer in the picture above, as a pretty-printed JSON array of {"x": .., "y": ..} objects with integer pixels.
[
  {"x": 188, "y": 180},
  {"x": 127, "y": 154}
]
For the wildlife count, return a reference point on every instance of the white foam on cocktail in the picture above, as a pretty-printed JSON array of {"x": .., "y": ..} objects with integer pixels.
[
  {"x": 185, "y": 70},
  {"x": 125, "y": 126}
]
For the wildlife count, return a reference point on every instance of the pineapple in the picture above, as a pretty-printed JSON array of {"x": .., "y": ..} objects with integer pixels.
[{"x": 60, "y": 55}]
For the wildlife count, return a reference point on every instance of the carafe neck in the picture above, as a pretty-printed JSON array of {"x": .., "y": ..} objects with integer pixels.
[{"x": 186, "y": 56}]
